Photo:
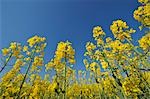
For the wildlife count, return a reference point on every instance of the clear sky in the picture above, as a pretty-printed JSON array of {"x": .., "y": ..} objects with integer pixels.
[{"x": 60, "y": 20}]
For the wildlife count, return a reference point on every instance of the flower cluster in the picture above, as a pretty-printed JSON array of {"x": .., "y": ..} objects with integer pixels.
[
  {"x": 64, "y": 50},
  {"x": 145, "y": 42},
  {"x": 121, "y": 30},
  {"x": 34, "y": 40},
  {"x": 114, "y": 67},
  {"x": 142, "y": 14}
]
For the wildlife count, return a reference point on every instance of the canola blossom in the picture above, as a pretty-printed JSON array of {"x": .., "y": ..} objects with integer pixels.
[{"x": 115, "y": 68}]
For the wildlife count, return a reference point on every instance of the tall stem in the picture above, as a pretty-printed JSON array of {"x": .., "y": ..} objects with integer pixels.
[
  {"x": 116, "y": 79},
  {"x": 65, "y": 77},
  {"x": 65, "y": 84},
  {"x": 5, "y": 64},
  {"x": 133, "y": 47},
  {"x": 98, "y": 86},
  {"x": 138, "y": 72},
  {"x": 29, "y": 65}
]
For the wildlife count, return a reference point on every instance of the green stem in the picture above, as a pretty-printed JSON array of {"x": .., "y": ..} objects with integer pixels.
[
  {"x": 65, "y": 77},
  {"x": 29, "y": 65},
  {"x": 98, "y": 85},
  {"x": 133, "y": 47},
  {"x": 65, "y": 84},
  {"x": 31, "y": 87},
  {"x": 117, "y": 80},
  {"x": 5, "y": 64},
  {"x": 24, "y": 79}
]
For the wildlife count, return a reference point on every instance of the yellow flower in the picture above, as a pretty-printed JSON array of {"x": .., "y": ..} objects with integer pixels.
[
  {"x": 93, "y": 66},
  {"x": 108, "y": 39},
  {"x": 52, "y": 87},
  {"x": 72, "y": 61},
  {"x": 34, "y": 40},
  {"x": 86, "y": 63},
  {"x": 16, "y": 53},
  {"x": 145, "y": 42},
  {"x": 13, "y": 45},
  {"x": 36, "y": 91},
  {"x": 142, "y": 14},
  {"x": 131, "y": 86},
  {"x": 100, "y": 41},
  {"x": 97, "y": 32},
  {"x": 25, "y": 48},
  {"x": 27, "y": 59},
  {"x": 144, "y": 1},
  {"x": 65, "y": 50},
  {"x": 5, "y": 51},
  {"x": 121, "y": 30},
  {"x": 104, "y": 64},
  {"x": 49, "y": 65},
  {"x": 109, "y": 86},
  {"x": 146, "y": 76},
  {"x": 90, "y": 46},
  {"x": 38, "y": 61}
]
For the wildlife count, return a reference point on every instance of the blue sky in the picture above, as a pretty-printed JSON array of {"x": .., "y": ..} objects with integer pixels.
[{"x": 60, "y": 20}]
